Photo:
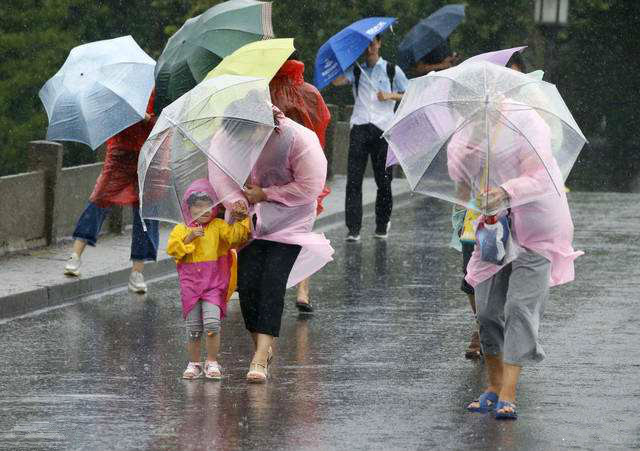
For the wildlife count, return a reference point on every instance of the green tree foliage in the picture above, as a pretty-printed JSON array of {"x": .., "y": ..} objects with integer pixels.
[
  {"x": 592, "y": 65},
  {"x": 597, "y": 75}
]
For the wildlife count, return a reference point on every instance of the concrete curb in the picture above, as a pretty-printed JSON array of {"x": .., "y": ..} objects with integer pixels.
[{"x": 27, "y": 302}]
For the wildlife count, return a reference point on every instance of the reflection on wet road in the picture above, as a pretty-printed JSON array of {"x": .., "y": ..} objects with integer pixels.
[{"x": 379, "y": 366}]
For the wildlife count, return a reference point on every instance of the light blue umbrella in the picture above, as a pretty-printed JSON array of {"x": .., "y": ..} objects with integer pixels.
[{"x": 102, "y": 88}]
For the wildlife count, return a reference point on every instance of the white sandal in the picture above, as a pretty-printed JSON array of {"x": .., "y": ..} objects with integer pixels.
[
  {"x": 257, "y": 373},
  {"x": 212, "y": 370},
  {"x": 193, "y": 371}
]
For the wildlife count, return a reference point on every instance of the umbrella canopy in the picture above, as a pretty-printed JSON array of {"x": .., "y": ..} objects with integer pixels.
[
  {"x": 226, "y": 120},
  {"x": 428, "y": 34},
  {"x": 203, "y": 41},
  {"x": 260, "y": 59},
  {"x": 102, "y": 88},
  {"x": 462, "y": 133},
  {"x": 499, "y": 57},
  {"x": 345, "y": 47}
]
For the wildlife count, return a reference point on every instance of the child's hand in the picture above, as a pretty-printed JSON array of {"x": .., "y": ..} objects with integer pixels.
[
  {"x": 195, "y": 233},
  {"x": 239, "y": 211}
]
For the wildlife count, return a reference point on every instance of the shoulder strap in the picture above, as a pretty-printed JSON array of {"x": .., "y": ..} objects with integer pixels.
[
  {"x": 356, "y": 76},
  {"x": 391, "y": 73}
]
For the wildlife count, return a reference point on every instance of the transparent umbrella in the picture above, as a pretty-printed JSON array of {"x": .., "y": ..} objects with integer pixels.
[
  {"x": 464, "y": 133},
  {"x": 102, "y": 88},
  {"x": 225, "y": 120}
]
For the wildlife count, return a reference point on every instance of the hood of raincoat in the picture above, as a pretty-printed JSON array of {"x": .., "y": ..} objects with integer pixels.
[
  {"x": 292, "y": 70},
  {"x": 198, "y": 186}
]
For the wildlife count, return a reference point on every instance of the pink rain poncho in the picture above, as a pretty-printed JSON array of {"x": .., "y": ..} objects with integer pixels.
[
  {"x": 542, "y": 225},
  {"x": 292, "y": 171},
  {"x": 205, "y": 266},
  {"x": 303, "y": 103}
]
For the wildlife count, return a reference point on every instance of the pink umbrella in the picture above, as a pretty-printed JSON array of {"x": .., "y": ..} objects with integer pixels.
[{"x": 499, "y": 57}]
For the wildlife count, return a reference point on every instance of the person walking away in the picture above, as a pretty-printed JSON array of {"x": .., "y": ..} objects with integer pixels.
[
  {"x": 118, "y": 185},
  {"x": 201, "y": 248},
  {"x": 377, "y": 86},
  {"x": 511, "y": 295},
  {"x": 301, "y": 102},
  {"x": 282, "y": 191}
]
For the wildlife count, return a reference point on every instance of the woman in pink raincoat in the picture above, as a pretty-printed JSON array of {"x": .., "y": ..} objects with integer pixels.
[
  {"x": 302, "y": 103},
  {"x": 282, "y": 191},
  {"x": 510, "y": 298},
  {"x": 202, "y": 250}
]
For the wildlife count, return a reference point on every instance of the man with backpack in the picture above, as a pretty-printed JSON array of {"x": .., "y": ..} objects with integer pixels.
[{"x": 377, "y": 86}]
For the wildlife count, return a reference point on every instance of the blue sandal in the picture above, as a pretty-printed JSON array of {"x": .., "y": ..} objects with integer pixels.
[
  {"x": 513, "y": 415},
  {"x": 486, "y": 401}
]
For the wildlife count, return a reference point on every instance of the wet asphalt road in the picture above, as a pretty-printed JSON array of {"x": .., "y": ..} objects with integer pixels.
[{"x": 379, "y": 367}]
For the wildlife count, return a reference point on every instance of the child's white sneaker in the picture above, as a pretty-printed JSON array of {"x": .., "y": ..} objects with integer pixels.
[
  {"x": 136, "y": 282},
  {"x": 72, "y": 268},
  {"x": 212, "y": 370},
  {"x": 193, "y": 371}
]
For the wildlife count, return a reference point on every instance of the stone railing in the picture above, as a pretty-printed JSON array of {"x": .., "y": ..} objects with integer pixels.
[{"x": 41, "y": 207}]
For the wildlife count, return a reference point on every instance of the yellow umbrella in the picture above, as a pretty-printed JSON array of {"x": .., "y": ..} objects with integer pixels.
[{"x": 260, "y": 59}]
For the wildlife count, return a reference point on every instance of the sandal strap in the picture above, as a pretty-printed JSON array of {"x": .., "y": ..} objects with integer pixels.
[{"x": 502, "y": 404}]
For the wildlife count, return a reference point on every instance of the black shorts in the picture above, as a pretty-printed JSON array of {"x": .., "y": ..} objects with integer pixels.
[{"x": 467, "y": 250}]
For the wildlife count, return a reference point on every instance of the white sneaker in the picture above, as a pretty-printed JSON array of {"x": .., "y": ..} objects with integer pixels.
[
  {"x": 382, "y": 234},
  {"x": 352, "y": 238},
  {"x": 212, "y": 370},
  {"x": 136, "y": 282},
  {"x": 72, "y": 268}
]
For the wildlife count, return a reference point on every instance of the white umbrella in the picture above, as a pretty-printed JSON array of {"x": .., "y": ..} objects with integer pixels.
[
  {"x": 461, "y": 133},
  {"x": 102, "y": 88}
]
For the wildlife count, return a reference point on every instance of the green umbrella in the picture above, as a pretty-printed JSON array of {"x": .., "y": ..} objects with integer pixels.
[{"x": 203, "y": 41}]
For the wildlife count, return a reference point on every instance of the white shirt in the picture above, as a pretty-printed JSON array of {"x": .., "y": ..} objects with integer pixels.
[{"x": 367, "y": 109}]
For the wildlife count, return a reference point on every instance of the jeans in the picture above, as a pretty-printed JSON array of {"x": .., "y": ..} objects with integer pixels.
[
  {"x": 364, "y": 141},
  {"x": 144, "y": 245}
]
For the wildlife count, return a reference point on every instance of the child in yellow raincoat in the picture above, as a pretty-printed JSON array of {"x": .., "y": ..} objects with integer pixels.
[{"x": 202, "y": 249}]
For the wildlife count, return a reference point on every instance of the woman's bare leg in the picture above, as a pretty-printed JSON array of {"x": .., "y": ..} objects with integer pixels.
[
  {"x": 263, "y": 343},
  {"x": 303, "y": 291}
]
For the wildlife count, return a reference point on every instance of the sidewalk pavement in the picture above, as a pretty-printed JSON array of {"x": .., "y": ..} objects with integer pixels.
[{"x": 33, "y": 280}]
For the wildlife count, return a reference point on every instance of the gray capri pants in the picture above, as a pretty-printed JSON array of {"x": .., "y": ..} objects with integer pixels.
[
  {"x": 203, "y": 316},
  {"x": 510, "y": 306}
]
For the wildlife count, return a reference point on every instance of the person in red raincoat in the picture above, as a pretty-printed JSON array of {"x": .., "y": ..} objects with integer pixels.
[
  {"x": 118, "y": 185},
  {"x": 302, "y": 102}
]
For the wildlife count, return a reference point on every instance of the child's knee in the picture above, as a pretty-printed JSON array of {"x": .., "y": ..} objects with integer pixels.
[
  {"x": 194, "y": 331},
  {"x": 212, "y": 326}
]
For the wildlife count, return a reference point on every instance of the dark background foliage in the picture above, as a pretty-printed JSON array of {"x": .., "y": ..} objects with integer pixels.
[{"x": 593, "y": 60}]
